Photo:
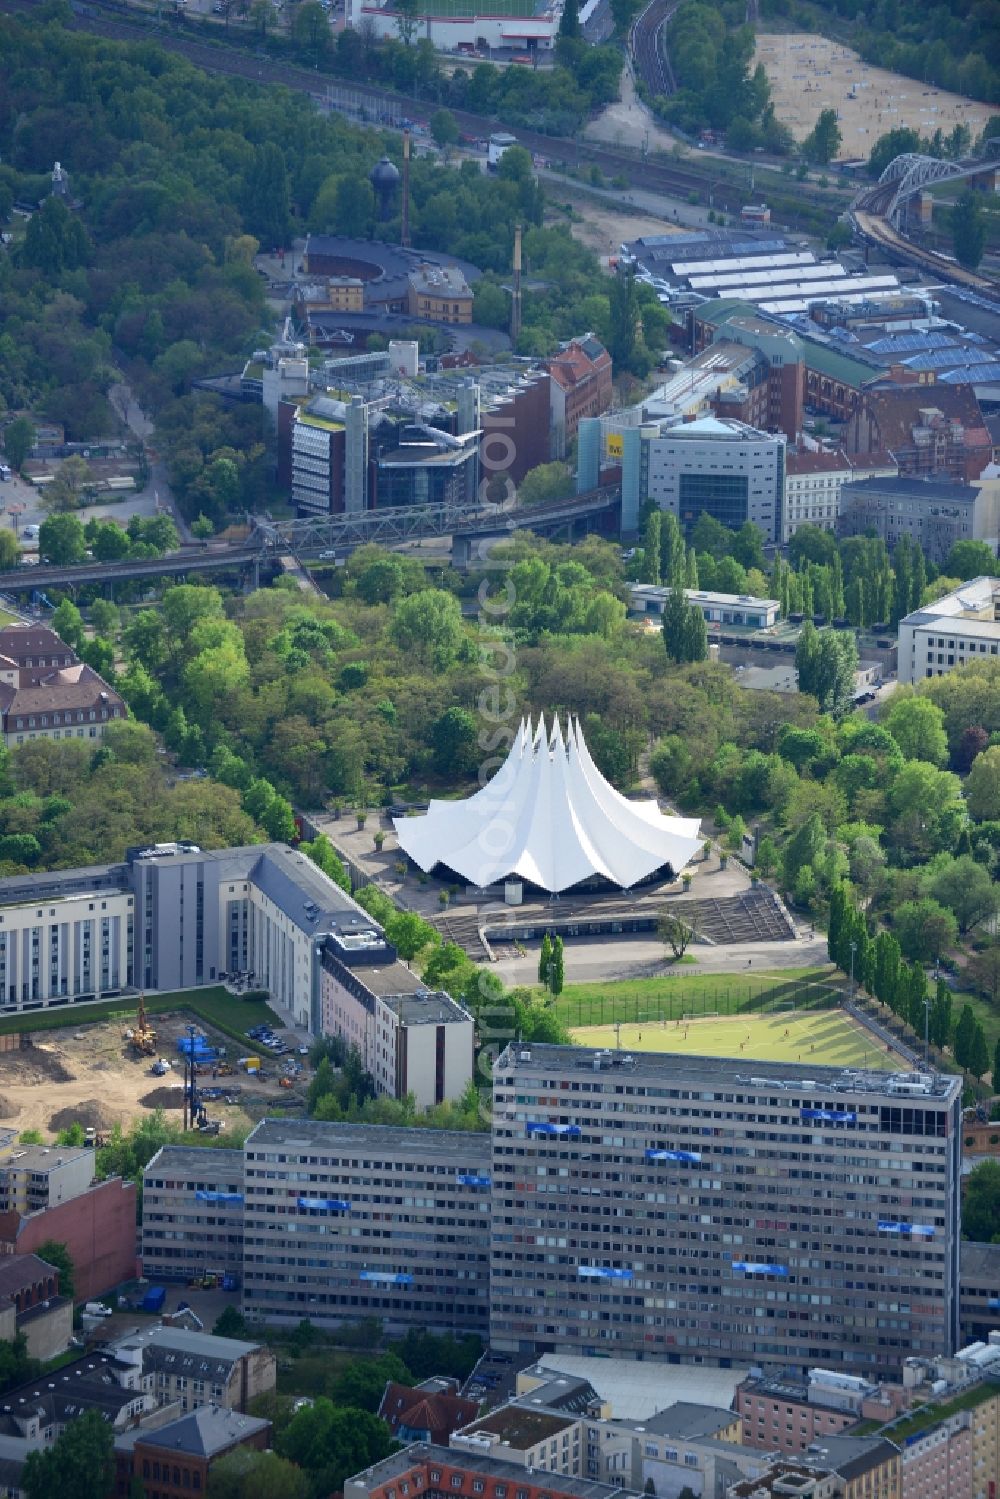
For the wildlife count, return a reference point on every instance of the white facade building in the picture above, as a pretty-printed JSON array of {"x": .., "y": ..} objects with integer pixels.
[
  {"x": 64, "y": 947},
  {"x": 412, "y": 1040},
  {"x": 964, "y": 626},
  {"x": 812, "y": 490},
  {"x": 724, "y": 467}
]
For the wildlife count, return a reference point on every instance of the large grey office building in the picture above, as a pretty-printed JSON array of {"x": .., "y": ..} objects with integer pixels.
[
  {"x": 344, "y": 1221},
  {"x": 723, "y": 1211}
]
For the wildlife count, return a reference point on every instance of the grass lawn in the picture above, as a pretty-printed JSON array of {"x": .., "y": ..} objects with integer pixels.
[
  {"x": 215, "y": 1005},
  {"x": 815, "y": 1037},
  {"x": 672, "y": 995}
]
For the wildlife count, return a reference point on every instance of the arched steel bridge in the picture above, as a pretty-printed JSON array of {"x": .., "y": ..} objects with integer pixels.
[{"x": 909, "y": 173}]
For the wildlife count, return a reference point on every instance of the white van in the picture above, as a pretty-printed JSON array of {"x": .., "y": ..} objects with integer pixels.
[{"x": 31, "y": 533}]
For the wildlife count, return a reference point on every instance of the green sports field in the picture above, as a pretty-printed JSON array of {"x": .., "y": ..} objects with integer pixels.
[{"x": 820, "y": 1037}]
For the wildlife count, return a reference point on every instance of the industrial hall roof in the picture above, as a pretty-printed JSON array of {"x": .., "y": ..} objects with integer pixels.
[{"x": 549, "y": 817}]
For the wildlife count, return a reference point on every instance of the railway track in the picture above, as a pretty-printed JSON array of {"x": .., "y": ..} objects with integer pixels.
[
  {"x": 108, "y": 19},
  {"x": 878, "y": 231},
  {"x": 651, "y": 61}
]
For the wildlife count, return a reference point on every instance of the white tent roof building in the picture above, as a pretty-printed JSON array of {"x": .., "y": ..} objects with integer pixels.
[{"x": 549, "y": 817}]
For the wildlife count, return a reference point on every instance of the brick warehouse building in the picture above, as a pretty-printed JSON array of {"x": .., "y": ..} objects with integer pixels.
[{"x": 98, "y": 1228}]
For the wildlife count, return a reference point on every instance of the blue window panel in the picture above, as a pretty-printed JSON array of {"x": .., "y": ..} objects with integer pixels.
[
  {"x": 386, "y": 1278},
  {"x": 830, "y": 1116},
  {"x": 601, "y": 1272},
  {"x": 689, "y": 1157},
  {"x": 751, "y": 1267},
  {"x": 569, "y": 1131},
  {"x": 323, "y": 1205}
]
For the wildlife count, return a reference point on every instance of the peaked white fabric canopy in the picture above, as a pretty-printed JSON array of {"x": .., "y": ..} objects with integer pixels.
[{"x": 550, "y": 817}]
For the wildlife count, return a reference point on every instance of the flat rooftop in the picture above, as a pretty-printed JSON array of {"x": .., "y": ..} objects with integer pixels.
[
  {"x": 209, "y": 1162},
  {"x": 449, "y": 1146},
  {"x": 43, "y": 1157},
  {"x": 434, "y": 1008},
  {"x": 520, "y": 1428},
  {"x": 915, "y": 489},
  {"x": 713, "y": 1072},
  {"x": 638, "y": 1391}
]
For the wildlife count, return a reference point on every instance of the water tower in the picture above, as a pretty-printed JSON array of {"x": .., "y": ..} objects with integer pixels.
[{"x": 384, "y": 177}]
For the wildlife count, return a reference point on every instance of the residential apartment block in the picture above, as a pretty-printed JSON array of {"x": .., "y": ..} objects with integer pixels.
[
  {"x": 192, "y": 1213},
  {"x": 963, "y": 626},
  {"x": 344, "y": 1221},
  {"x": 683, "y": 1209},
  {"x": 36, "y": 1177},
  {"x": 932, "y": 512}
]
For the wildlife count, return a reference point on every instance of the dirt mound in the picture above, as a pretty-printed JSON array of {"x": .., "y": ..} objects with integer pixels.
[
  {"x": 8, "y": 1110},
  {"x": 91, "y": 1113},
  {"x": 163, "y": 1098},
  {"x": 34, "y": 1064}
]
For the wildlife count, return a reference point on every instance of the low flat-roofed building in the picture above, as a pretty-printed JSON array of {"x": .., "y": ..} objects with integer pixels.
[
  {"x": 192, "y": 1214},
  {"x": 542, "y": 1440},
  {"x": 720, "y": 609},
  {"x": 961, "y": 627}
]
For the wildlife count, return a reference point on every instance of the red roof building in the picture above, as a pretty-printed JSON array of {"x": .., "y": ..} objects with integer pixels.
[
  {"x": 580, "y": 384},
  {"x": 422, "y": 1414}
]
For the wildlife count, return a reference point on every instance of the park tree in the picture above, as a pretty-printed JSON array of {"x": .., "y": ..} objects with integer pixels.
[
  {"x": 984, "y": 971},
  {"x": 80, "y": 1463},
  {"x": 826, "y": 662},
  {"x": 823, "y": 141},
  {"x": 982, "y": 789},
  {"x": 981, "y": 1204},
  {"x": 545, "y": 484},
  {"x": 966, "y": 888},
  {"x": 996, "y": 1067},
  {"x": 557, "y": 968},
  {"x": 674, "y": 932},
  {"x": 979, "y": 1053},
  {"x": 624, "y": 304},
  {"x": 917, "y": 725},
  {"x": 331, "y": 1443},
  {"x": 651, "y": 566},
  {"x": 965, "y": 1032},
  {"x": 900, "y": 142},
  {"x": 55, "y": 1253},
  {"x": 970, "y": 559},
  {"x": 569, "y": 21},
  {"x": 10, "y": 552},
  {"x": 968, "y": 230},
  {"x": 427, "y": 626},
  {"x": 545, "y": 959},
  {"x": 245, "y": 1474},
  {"x": 230, "y": 1323},
  {"x": 940, "y": 1027},
  {"x": 61, "y": 540},
  {"x": 18, "y": 441},
  {"x": 444, "y": 128},
  {"x": 803, "y": 848},
  {"x": 67, "y": 621},
  {"x": 361, "y": 1384},
  {"x": 454, "y": 742},
  {"x": 925, "y": 929}
]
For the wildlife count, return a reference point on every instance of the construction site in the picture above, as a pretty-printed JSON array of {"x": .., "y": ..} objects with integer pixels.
[{"x": 114, "y": 1071}]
